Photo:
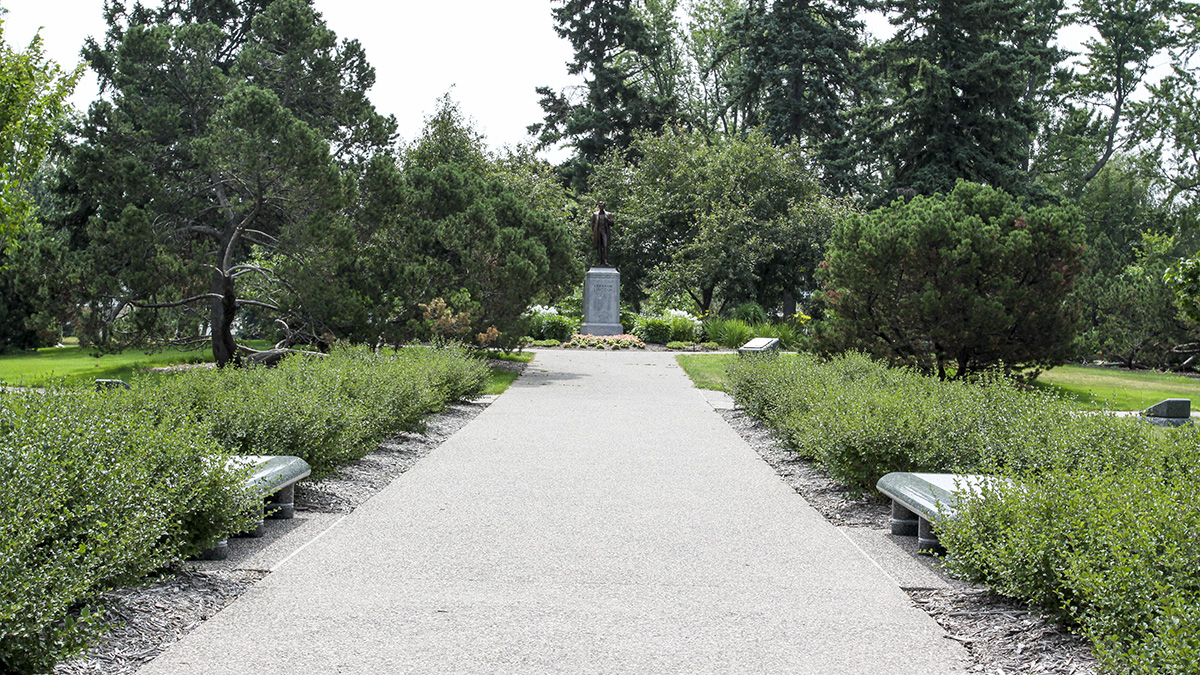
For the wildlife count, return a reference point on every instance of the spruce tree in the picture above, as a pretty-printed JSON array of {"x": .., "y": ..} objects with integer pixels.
[
  {"x": 800, "y": 76},
  {"x": 606, "y": 36},
  {"x": 958, "y": 105}
]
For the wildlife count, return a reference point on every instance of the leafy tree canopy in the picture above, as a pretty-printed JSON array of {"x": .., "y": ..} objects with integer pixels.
[
  {"x": 33, "y": 95},
  {"x": 726, "y": 222},
  {"x": 232, "y": 127},
  {"x": 451, "y": 227}
]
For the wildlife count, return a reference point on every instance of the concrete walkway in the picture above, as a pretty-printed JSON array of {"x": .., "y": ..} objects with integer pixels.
[{"x": 599, "y": 517}]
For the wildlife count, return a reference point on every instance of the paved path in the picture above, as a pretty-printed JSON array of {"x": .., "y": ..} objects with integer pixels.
[{"x": 598, "y": 518}]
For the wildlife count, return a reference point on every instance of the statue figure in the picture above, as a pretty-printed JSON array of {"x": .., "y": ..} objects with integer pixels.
[{"x": 601, "y": 232}]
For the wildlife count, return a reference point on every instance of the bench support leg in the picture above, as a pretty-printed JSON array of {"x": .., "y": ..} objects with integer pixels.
[
  {"x": 281, "y": 505},
  {"x": 904, "y": 522},
  {"x": 927, "y": 541}
]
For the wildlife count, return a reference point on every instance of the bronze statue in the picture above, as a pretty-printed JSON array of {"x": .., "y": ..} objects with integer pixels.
[{"x": 601, "y": 232}]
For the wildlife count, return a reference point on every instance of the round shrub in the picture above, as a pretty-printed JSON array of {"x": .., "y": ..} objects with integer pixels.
[
  {"x": 684, "y": 327},
  {"x": 655, "y": 329}
]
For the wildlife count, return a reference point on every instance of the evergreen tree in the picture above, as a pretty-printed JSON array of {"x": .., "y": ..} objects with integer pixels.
[
  {"x": 958, "y": 105},
  {"x": 954, "y": 284},
  {"x": 610, "y": 38},
  {"x": 800, "y": 75},
  {"x": 233, "y": 126}
]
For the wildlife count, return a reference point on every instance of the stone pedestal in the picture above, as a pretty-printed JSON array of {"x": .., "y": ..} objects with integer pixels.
[{"x": 602, "y": 302}]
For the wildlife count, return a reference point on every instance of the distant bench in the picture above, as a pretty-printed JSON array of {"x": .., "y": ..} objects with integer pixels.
[
  {"x": 920, "y": 500},
  {"x": 273, "y": 479}
]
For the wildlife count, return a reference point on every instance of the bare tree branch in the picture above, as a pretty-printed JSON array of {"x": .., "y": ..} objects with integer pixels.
[{"x": 185, "y": 301}]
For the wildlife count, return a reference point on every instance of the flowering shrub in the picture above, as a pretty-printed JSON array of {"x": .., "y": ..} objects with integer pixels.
[{"x": 625, "y": 341}]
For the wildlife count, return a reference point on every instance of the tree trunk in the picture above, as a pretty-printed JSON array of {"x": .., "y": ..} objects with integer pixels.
[{"x": 224, "y": 311}]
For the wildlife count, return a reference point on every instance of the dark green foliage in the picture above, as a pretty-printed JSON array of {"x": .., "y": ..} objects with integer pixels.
[
  {"x": 732, "y": 333},
  {"x": 1110, "y": 544},
  {"x": 1138, "y": 321},
  {"x": 860, "y": 419},
  {"x": 958, "y": 107},
  {"x": 654, "y": 329},
  {"x": 91, "y": 498},
  {"x": 548, "y": 326},
  {"x": 327, "y": 411},
  {"x": 799, "y": 76},
  {"x": 488, "y": 235},
  {"x": 718, "y": 223},
  {"x": 954, "y": 284},
  {"x": 683, "y": 327},
  {"x": 750, "y": 312},
  {"x": 1100, "y": 525},
  {"x": 606, "y": 35},
  {"x": 232, "y": 126}
]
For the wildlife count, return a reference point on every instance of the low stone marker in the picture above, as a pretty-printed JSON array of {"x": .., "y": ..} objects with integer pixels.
[
  {"x": 919, "y": 500},
  {"x": 760, "y": 345},
  {"x": 1173, "y": 412}
]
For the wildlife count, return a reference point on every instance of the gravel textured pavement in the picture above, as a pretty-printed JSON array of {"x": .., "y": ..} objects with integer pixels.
[{"x": 598, "y": 517}]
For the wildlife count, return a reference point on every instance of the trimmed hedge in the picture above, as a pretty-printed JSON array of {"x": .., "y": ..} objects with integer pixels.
[
  {"x": 97, "y": 490},
  {"x": 1101, "y": 525},
  {"x": 327, "y": 411},
  {"x": 91, "y": 499}
]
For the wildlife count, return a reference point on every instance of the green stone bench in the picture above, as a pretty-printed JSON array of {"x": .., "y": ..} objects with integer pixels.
[
  {"x": 919, "y": 500},
  {"x": 273, "y": 478}
]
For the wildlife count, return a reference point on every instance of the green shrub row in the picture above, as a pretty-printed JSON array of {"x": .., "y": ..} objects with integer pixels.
[
  {"x": 90, "y": 499},
  {"x": 1100, "y": 524},
  {"x": 547, "y": 325},
  {"x": 327, "y": 411},
  {"x": 668, "y": 327},
  {"x": 734, "y": 333}
]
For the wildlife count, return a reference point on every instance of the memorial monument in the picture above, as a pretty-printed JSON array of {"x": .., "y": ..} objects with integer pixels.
[{"x": 602, "y": 285}]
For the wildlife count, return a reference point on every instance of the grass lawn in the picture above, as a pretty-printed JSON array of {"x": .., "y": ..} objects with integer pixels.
[
  {"x": 72, "y": 364},
  {"x": 1090, "y": 387},
  {"x": 1094, "y": 387},
  {"x": 500, "y": 378},
  {"x": 706, "y": 370}
]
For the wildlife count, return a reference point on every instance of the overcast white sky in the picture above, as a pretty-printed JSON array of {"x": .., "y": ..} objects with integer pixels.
[{"x": 493, "y": 53}]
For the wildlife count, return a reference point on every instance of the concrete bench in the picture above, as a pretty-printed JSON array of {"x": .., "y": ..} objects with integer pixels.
[
  {"x": 919, "y": 500},
  {"x": 273, "y": 478}
]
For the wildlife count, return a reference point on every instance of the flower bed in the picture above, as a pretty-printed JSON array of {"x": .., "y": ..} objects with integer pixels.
[{"x": 625, "y": 341}]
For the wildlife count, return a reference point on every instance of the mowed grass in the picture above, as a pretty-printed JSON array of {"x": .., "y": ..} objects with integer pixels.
[
  {"x": 501, "y": 379},
  {"x": 1091, "y": 388},
  {"x": 1094, "y": 387},
  {"x": 75, "y": 365},
  {"x": 72, "y": 365},
  {"x": 707, "y": 370}
]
